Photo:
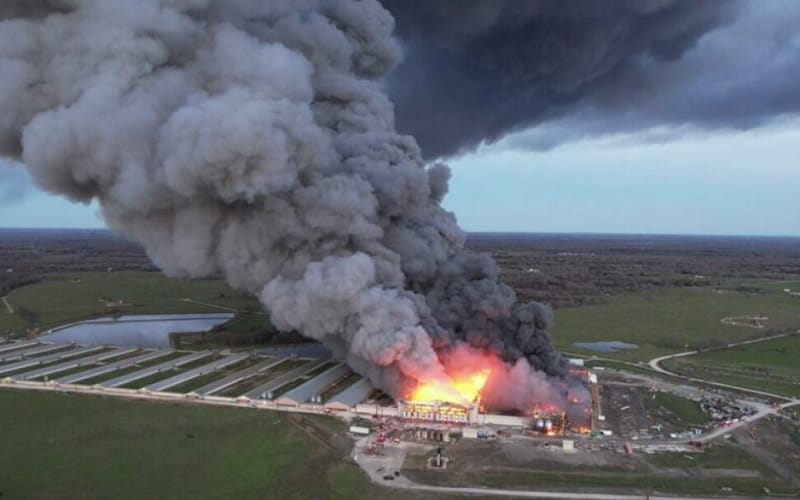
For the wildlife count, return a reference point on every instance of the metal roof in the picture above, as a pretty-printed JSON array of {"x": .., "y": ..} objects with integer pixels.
[
  {"x": 39, "y": 349},
  {"x": 10, "y": 346},
  {"x": 146, "y": 372},
  {"x": 181, "y": 378},
  {"x": 306, "y": 390},
  {"x": 277, "y": 383},
  {"x": 351, "y": 396},
  {"x": 46, "y": 359},
  {"x": 74, "y": 363},
  {"x": 234, "y": 378},
  {"x": 118, "y": 365}
]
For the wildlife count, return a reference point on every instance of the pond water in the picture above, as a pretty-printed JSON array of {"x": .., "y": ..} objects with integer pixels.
[
  {"x": 146, "y": 330},
  {"x": 606, "y": 346}
]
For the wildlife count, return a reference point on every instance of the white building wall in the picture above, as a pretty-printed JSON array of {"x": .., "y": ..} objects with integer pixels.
[{"x": 507, "y": 420}]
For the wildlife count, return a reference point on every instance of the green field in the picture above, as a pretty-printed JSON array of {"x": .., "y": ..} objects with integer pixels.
[
  {"x": 713, "y": 457},
  {"x": 80, "y": 447},
  {"x": 770, "y": 366},
  {"x": 684, "y": 411},
  {"x": 61, "y": 299},
  {"x": 591, "y": 480},
  {"x": 70, "y": 297},
  {"x": 672, "y": 319}
]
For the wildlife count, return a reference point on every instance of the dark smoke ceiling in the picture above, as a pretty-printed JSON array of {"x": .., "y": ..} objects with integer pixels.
[{"x": 475, "y": 71}]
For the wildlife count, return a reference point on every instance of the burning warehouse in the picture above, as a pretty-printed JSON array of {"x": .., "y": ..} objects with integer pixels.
[
  {"x": 279, "y": 178},
  {"x": 439, "y": 411},
  {"x": 467, "y": 399}
]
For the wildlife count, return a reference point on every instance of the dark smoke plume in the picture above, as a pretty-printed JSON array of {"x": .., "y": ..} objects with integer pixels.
[
  {"x": 252, "y": 139},
  {"x": 477, "y": 70}
]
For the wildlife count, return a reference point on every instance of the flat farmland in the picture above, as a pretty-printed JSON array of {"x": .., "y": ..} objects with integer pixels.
[
  {"x": 674, "y": 319},
  {"x": 81, "y": 447}
]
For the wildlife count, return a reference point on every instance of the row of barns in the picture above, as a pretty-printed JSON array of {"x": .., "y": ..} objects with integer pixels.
[{"x": 296, "y": 381}]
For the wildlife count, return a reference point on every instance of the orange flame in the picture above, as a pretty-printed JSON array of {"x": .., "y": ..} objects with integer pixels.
[{"x": 460, "y": 389}]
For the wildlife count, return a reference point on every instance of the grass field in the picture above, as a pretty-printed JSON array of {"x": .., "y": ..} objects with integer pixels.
[
  {"x": 685, "y": 411},
  {"x": 671, "y": 319},
  {"x": 70, "y": 297},
  {"x": 770, "y": 366},
  {"x": 713, "y": 457},
  {"x": 591, "y": 480},
  {"x": 76, "y": 447}
]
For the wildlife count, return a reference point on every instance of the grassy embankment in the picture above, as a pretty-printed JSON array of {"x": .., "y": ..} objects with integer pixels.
[{"x": 58, "y": 446}]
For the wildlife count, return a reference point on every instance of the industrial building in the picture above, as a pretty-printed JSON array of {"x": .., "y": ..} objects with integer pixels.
[
  {"x": 152, "y": 370},
  {"x": 267, "y": 390},
  {"x": 237, "y": 377},
  {"x": 113, "y": 367},
  {"x": 75, "y": 363},
  {"x": 270, "y": 382},
  {"x": 313, "y": 387},
  {"x": 36, "y": 361},
  {"x": 438, "y": 411},
  {"x": 182, "y": 378},
  {"x": 350, "y": 397}
]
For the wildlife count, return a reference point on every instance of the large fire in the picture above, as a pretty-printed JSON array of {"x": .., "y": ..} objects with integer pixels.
[{"x": 460, "y": 389}]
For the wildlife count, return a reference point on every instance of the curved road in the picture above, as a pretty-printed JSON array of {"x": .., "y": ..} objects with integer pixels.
[
  {"x": 373, "y": 464},
  {"x": 377, "y": 466},
  {"x": 655, "y": 364}
]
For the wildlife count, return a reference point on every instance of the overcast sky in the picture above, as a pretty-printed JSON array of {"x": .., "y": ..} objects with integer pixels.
[
  {"x": 699, "y": 136},
  {"x": 718, "y": 183}
]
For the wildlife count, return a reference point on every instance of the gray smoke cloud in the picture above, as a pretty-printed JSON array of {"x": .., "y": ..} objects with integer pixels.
[
  {"x": 253, "y": 139},
  {"x": 476, "y": 71}
]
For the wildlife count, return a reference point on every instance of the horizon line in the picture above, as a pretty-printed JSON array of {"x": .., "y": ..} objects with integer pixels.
[{"x": 510, "y": 232}]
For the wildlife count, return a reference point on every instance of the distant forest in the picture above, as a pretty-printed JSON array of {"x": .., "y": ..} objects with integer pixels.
[{"x": 559, "y": 269}]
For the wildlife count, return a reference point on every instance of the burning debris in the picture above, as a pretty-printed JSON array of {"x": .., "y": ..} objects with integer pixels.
[
  {"x": 464, "y": 390},
  {"x": 253, "y": 140}
]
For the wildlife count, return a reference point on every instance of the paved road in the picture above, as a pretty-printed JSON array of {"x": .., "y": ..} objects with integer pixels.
[
  {"x": 391, "y": 460},
  {"x": 559, "y": 495},
  {"x": 394, "y": 456},
  {"x": 655, "y": 364},
  {"x": 762, "y": 410}
]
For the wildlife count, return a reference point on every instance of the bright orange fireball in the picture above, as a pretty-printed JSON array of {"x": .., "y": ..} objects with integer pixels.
[{"x": 460, "y": 390}]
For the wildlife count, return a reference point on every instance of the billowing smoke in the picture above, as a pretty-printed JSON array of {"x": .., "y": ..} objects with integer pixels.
[
  {"x": 252, "y": 139},
  {"x": 477, "y": 70}
]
